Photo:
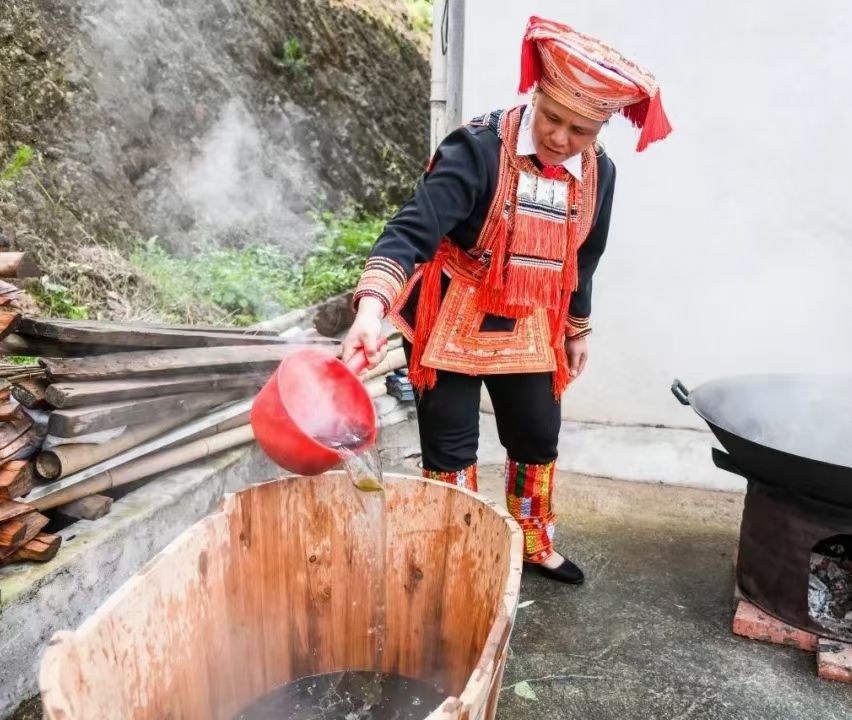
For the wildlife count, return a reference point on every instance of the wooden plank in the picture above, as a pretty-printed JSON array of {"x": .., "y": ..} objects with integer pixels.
[
  {"x": 12, "y": 533},
  {"x": 31, "y": 393},
  {"x": 71, "y": 395},
  {"x": 93, "y": 507},
  {"x": 18, "y": 265},
  {"x": 35, "y": 522},
  {"x": 138, "y": 336},
  {"x": 97, "y": 324},
  {"x": 9, "y": 412},
  {"x": 13, "y": 345},
  {"x": 13, "y": 427},
  {"x": 334, "y": 315},
  {"x": 10, "y": 510},
  {"x": 80, "y": 421},
  {"x": 9, "y": 322},
  {"x": 42, "y": 548},
  {"x": 13, "y": 466},
  {"x": 18, "y": 345},
  {"x": 248, "y": 359},
  {"x": 9, "y": 291},
  {"x": 29, "y": 438},
  {"x": 16, "y": 479},
  {"x": 24, "y": 448}
]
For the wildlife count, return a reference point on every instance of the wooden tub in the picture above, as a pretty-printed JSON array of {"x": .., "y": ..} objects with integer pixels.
[{"x": 284, "y": 582}]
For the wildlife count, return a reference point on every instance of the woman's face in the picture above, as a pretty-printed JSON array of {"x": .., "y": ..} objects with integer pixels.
[{"x": 560, "y": 133}]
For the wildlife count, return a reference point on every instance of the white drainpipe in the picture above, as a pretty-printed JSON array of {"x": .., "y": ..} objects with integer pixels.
[
  {"x": 455, "y": 64},
  {"x": 438, "y": 99},
  {"x": 447, "y": 68}
]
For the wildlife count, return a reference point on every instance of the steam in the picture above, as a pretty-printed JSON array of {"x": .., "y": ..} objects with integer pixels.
[
  {"x": 214, "y": 157},
  {"x": 809, "y": 416},
  {"x": 234, "y": 184}
]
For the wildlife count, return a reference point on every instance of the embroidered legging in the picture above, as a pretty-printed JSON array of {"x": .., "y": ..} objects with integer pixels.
[{"x": 528, "y": 420}]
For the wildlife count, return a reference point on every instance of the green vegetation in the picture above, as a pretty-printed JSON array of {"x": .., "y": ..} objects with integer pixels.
[
  {"x": 420, "y": 13},
  {"x": 338, "y": 261},
  {"x": 22, "y": 160},
  {"x": 296, "y": 63},
  {"x": 57, "y": 301},
  {"x": 258, "y": 281},
  {"x": 292, "y": 54},
  {"x": 21, "y": 360},
  {"x": 23, "y": 157}
]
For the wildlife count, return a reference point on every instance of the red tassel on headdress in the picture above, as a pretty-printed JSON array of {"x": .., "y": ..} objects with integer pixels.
[
  {"x": 530, "y": 62},
  {"x": 637, "y": 112},
  {"x": 655, "y": 125}
]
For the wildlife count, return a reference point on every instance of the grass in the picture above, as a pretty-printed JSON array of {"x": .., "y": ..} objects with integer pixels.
[
  {"x": 258, "y": 281},
  {"x": 294, "y": 59},
  {"x": 21, "y": 161},
  {"x": 57, "y": 301},
  {"x": 21, "y": 359},
  {"x": 292, "y": 54}
]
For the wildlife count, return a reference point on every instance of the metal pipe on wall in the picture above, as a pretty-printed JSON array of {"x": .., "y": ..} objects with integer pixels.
[
  {"x": 438, "y": 96},
  {"x": 448, "y": 24},
  {"x": 455, "y": 64}
]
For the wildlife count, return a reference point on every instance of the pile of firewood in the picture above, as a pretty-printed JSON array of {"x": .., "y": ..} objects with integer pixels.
[{"x": 108, "y": 404}]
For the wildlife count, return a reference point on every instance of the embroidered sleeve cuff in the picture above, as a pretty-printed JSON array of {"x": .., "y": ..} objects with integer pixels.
[
  {"x": 383, "y": 279},
  {"x": 577, "y": 327}
]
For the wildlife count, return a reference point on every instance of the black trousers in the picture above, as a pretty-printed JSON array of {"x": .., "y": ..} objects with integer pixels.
[{"x": 528, "y": 418}]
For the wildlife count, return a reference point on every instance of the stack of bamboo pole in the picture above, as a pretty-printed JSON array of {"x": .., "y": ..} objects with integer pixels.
[{"x": 109, "y": 404}]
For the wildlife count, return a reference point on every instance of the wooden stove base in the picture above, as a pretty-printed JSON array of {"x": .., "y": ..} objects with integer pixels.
[{"x": 834, "y": 658}]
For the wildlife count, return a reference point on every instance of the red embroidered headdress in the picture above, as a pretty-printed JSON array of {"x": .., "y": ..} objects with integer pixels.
[{"x": 591, "y": 78}]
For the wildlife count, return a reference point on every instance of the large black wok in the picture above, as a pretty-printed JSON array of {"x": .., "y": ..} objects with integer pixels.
[{"x": 790, "y": 432}]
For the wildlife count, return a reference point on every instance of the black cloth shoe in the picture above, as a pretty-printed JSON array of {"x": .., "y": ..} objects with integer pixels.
[{"x": 567, "y": 572}]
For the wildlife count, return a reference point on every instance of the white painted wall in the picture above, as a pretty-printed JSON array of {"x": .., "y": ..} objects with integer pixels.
[{"x": 731, "y": 244}]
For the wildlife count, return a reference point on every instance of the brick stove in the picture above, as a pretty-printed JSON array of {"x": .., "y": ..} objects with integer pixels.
[
  {"x": 790, "y": 436},
  {"x": 794, "y": 563}
]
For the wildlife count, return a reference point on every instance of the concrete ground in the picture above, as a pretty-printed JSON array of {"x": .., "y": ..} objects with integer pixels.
[{"x": 648, "y": 636}]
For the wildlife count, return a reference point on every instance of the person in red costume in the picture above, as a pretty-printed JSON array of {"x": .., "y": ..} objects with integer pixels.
[{"x": 487, "y": 270}]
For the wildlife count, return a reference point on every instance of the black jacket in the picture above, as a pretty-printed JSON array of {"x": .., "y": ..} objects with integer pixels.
[{"x": 452, "y": 200}]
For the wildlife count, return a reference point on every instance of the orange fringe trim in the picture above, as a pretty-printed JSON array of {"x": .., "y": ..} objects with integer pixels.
[{"x": 422, "y": 377}]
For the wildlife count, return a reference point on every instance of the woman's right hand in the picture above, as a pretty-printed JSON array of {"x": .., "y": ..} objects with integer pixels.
[{"x": 366, "y": 332}]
